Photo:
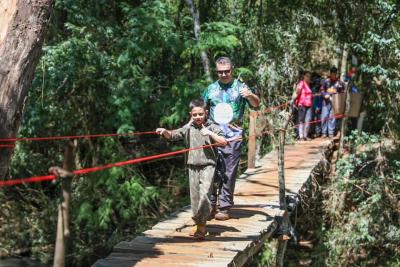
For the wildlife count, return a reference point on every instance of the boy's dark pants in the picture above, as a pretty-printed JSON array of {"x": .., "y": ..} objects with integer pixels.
[
  {"x": 200, "y": 182},
  {"x": 229, "y": 158}
]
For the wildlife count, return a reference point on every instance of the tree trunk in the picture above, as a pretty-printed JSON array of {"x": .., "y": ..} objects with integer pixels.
[
  {"x": 22, "y": 29},
  {"x": 343, "y": 64},
  {"x": 196, "y": 21},
  {"x": 343, "y": 127}
]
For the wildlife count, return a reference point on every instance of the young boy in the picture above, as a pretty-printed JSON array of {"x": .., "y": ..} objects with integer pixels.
[{"x": 201, "y": 162}]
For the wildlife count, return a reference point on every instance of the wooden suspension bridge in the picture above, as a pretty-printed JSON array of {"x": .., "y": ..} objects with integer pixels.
[
  {"x": 255, "y": 217},
  {"x": 261, "y": 209}
]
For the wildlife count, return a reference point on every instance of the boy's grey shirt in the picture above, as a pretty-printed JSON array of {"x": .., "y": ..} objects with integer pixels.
[{"x": 193, "y": 138}]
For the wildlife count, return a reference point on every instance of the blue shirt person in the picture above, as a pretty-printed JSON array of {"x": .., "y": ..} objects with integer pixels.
[{"x": 332, "y": 85}]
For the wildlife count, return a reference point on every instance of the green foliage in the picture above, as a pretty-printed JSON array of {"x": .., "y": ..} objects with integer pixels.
[
  {"x": 121, "y": 66},
  {"x": 107, "y": 204},
  {"x": 350, "y": 218},
  {"x": 362, "y": 209},
  {"x": 220, "y": 38},
  {"x": 110, "y": 68},
  {"x": 266, "y": 257},
  {"x": 376, "y": 45}
]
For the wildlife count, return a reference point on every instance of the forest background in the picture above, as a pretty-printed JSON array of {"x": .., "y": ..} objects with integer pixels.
[{"x": 122, "y": 66}]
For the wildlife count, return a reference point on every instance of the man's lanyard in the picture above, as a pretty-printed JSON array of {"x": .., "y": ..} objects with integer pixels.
[
  {"x": 222, "y": 95},
  {"x": 226, "y": 97}
]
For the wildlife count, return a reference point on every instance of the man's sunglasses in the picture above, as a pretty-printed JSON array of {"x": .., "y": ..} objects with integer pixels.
[{"x": 226, "y": 72}]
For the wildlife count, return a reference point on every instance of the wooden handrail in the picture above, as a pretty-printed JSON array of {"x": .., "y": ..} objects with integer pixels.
[
  {"x": 252, "y": 144},
  {"x": 63, "y": 231}
]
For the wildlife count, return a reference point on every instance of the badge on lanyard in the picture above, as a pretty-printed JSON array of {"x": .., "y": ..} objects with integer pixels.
[{"x": 223, "y": 113}]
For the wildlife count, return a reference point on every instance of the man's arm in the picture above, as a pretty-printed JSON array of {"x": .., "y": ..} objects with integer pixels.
[{"x": 253, "y": 99}]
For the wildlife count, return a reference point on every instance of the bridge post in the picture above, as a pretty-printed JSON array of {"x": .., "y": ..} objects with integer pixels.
[
  {"x": 252, "y": 145},
  {"x": 343, "y": 127},
  {"x": 281, "y": 170},
  {"x": 63, "y": 208},
  {"x": 284, "y": 237},
  {"x": 281, "y": 162}
]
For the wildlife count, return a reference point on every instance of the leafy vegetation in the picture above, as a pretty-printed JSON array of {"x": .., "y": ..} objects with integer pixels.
[
  {"x": 362, "y": 211},
  {"x": 121, "y": 66},
  {"x": 351, "y": 217},
  {"x": 265, "y": 258}
]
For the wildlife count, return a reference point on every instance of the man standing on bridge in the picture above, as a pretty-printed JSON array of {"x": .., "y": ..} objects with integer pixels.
[
  {"x": 332, "y": 85},
  {"x": 226, "y": 100}
]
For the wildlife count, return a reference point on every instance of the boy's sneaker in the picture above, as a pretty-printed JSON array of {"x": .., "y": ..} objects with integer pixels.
[
  {"x": 331, "y": 136},
  {"x": 324, "y": 136},
  {"x": 222, "y": 215}
]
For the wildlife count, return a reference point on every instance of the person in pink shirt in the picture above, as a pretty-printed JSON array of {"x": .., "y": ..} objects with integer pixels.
[{"x": 303, "y": 102}]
